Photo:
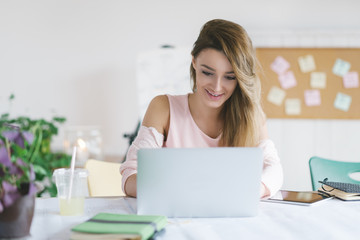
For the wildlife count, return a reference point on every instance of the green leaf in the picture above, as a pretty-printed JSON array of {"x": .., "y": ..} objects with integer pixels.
[
  {"x": 52, "y": 190},
  {"x": 4, "y": 116},
  {"x": 53, "y": 129},
  {"x": 59, "y": 119},
  {"x": 17, "y": 151},
  {"x": 39, "y": 170}
]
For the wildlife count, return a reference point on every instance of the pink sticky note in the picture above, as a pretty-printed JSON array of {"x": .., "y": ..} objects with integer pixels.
[
  {"x": 279, "y": 65},
  {"x": 287, "y": 80},
  {"x": 351, "y": 80},
  {"x": 312, "y": 97}
]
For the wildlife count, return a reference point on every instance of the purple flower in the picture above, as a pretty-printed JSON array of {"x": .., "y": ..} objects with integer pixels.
[
  {"x": 4, "y": 157},
  {"x": 11, "y": 135},
  {"x": 15, "y": 137},
  {"x": 20, "y": 162},
  {"x": 10, "y": 198},
  {"x": 17, "y": 177},
  {"x": 32, "y": 189},
  {"x": 29, "y": 137},
  {"x": 11, "y": 194},
  {"x": 18, "y": 137},
  {"x": 16, "y": 170},
  {"x": 32, "y": 173},
  {"x": 7, "y": 187}
]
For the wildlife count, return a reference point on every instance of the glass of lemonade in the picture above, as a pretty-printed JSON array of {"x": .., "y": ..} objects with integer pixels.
[{"x": 71, "y": 203}]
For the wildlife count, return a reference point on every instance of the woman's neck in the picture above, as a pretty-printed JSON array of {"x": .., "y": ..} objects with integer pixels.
[{"x": 208, "y": 119}]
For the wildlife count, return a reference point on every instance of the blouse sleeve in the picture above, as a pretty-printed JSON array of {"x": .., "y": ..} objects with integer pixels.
[
  {"x": 272, "y": 174},
  {"x": 148, "y": 137}
]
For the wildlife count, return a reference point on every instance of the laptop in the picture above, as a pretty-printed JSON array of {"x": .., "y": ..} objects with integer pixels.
[{"x": 199, "y": 182}]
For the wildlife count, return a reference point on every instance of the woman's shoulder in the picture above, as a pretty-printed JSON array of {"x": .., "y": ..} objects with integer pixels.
[
  {"x": 158, "y": 113},
  {"x": 164, "y": 102},
  {"x": 160, "y": 101}
]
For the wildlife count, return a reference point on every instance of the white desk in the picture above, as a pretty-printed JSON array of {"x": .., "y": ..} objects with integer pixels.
[{"x": 333, "y": 219}]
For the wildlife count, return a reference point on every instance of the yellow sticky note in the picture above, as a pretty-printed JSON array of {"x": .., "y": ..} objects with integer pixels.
[
  {"x": 307, "y": 63},
  {"x": 318, "y": 80},
  {"x": 293, "y": 106},
  {"x": 276, "y": 95}
]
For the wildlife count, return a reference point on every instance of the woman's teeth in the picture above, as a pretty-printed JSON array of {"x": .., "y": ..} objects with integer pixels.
[{"x": 215, "y": 95}]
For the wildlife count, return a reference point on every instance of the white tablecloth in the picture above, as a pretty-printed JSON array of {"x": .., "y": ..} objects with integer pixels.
[{"x": 333, "y": 219}]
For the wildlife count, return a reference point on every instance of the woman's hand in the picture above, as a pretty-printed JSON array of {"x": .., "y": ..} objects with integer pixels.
[
  {"x": 264, "y": 191},
  {"x": 130, "y": 186}
]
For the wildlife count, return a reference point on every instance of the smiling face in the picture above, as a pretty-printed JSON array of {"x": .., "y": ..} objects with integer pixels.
[{"x": 215, "y": 78}]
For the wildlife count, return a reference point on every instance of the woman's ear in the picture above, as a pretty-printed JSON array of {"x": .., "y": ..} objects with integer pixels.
[{"x": 193, "y": 62}]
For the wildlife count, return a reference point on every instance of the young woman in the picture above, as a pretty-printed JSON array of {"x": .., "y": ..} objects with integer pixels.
[{"x": 223, "y": 110}]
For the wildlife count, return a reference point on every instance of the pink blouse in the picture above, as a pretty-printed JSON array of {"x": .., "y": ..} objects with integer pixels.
[{"x": 184, "y": 133}]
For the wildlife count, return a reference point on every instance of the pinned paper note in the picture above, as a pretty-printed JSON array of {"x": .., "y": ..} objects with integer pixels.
[
  {"x": 342, "y": 102},
  {"x": 307, "y": 63},
  {"x": 280, "y": 65},
  {"x": 276, "y": 95},
  {"x": 287, "y": 80},
  {"x": 293, "y": 106},
  {"x": 312, "y": 97},
  {"x": 341, "y": 67},
  {"x": 318, "y": 80},
  {"x": 351, "y": 80}
]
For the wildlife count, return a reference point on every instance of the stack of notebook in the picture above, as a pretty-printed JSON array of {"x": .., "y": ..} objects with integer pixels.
[
  {"x": 119, "y": 226},
  {"x": 344, "y": 191}
]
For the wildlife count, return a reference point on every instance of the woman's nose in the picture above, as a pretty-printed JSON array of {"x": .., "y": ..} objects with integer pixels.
[{"x": 217, "y": 86}]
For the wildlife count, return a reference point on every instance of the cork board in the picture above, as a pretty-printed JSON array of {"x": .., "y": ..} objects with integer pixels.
[{"x": 310, "y": 83}]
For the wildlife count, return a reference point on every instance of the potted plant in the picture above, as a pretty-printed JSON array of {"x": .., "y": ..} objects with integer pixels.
[
  {"x": 17, "y": 181},
  {"x": 44, "y": 160},
  {"x": 26, "y": 166}
]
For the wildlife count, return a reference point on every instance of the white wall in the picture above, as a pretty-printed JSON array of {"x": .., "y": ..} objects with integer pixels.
[{"x": 78, "y": 59}]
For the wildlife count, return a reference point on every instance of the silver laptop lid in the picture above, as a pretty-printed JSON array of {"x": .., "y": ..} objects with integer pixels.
[{"x": 199, "y": 182}]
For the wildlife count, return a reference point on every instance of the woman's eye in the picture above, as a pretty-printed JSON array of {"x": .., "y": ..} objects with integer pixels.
[
  {"x": 231, "y": 78},
  {"x": 206, "y": 73}
]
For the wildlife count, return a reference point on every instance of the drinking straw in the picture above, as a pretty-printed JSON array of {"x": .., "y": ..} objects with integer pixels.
[{"x": 72, "y": 172}]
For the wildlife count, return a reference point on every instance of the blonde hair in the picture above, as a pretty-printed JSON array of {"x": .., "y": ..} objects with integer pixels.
[{"x": 242, "y": 113}]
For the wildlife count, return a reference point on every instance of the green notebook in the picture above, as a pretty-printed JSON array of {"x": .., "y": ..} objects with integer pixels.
[{"x": 119, "y": 226}]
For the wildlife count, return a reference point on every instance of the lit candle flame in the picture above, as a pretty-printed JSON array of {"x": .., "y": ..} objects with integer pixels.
[{"x": 81, "y": 143}]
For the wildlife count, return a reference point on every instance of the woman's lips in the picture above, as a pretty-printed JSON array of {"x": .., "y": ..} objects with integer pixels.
[{"x": 214, "y": 96}]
